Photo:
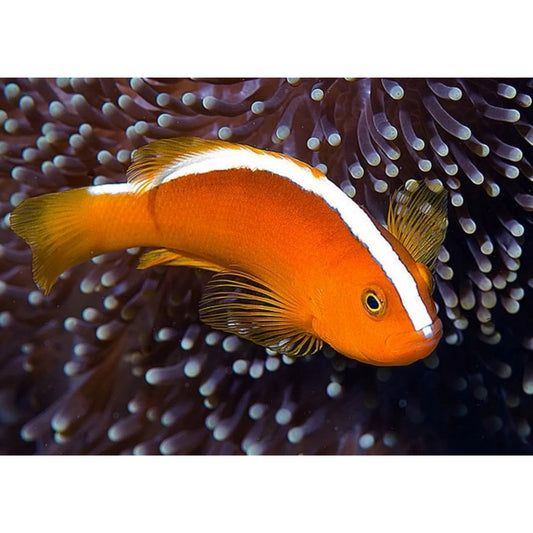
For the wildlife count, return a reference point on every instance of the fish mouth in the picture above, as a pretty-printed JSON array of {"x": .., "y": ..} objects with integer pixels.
[{"x": 406, "y": 348}]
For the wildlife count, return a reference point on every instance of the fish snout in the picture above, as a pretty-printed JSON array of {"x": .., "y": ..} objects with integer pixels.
[{"x": 406, "y": 348}]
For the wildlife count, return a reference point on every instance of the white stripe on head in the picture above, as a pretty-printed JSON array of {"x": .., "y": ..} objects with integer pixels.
[{"x": 358, "y": 222}]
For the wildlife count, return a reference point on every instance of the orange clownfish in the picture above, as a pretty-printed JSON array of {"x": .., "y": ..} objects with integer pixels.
[{"x": 296, "y": 261}]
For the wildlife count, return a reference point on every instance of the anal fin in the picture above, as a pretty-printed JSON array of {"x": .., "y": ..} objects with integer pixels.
[
  {"x": 166, "y": 257},
  {"x": 245, "y": 306}
]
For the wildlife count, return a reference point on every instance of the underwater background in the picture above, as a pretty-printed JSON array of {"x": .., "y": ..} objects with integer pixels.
[{"x": 115, "y": 360}]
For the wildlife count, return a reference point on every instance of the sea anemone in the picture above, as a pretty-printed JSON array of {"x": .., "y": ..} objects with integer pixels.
[{"x": 116, "y": 360}]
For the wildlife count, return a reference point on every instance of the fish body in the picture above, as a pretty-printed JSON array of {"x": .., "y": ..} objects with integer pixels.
[{"x": 296, "y": 261}]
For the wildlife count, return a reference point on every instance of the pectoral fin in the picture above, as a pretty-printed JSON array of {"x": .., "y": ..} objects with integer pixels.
[
  {"x": 418, "y": 219},
  {"x": 243, "y": 305}
]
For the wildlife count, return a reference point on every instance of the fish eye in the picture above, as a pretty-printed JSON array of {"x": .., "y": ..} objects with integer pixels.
[{"x": 373, "y": 303}]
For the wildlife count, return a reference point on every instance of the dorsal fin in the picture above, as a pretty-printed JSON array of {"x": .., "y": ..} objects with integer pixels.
[
  {"x": 241, "y": 304},
  {"x": 166, "y": 159},
  {"x": 152, "y": 163},
  {"x": 417, "y": 217}
]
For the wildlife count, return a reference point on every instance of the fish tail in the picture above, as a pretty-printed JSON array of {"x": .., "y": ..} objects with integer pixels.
[{"x": 62, "y": 230}]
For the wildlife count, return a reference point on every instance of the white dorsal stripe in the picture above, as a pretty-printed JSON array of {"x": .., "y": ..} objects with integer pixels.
[
  {"x": 358, "y": 222},
  {"x": 110, "y": 188}
]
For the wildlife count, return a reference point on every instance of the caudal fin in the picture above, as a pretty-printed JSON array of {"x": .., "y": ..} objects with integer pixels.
[{"x": 56, "y": 228}]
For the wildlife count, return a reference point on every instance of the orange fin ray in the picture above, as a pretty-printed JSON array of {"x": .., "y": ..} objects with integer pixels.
[
  {"x": 56, "y": 233},
  {"x": 418, "y": 218},
  {"x": 152, "y": 163},
  {"x": 245, "y": 306},
  {"x": 165, "y": 257}
]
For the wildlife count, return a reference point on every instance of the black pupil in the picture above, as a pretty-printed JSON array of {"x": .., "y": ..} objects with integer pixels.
[{"x": 372, "y": 302}]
